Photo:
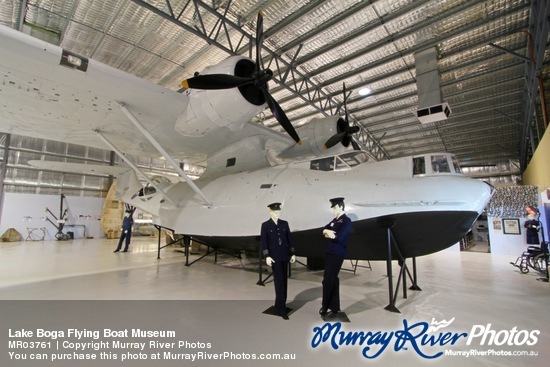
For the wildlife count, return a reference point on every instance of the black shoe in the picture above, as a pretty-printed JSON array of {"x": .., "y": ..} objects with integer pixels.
[
  {"x": 322, "y": 311},
  {"x": 116, "y": 251},
  {"x": 283, "y": 313},
  {"x": 332, "y": 315}
]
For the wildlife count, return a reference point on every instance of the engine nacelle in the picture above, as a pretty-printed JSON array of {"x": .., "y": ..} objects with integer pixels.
[
  {"x": 314, "y": 136},
  {"x": 208, "y": 110}
]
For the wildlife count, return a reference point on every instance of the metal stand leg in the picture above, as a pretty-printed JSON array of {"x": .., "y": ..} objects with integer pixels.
[
  {"x": 388, "y": 223},
  {"x": 187, "y": 245},
  {"x": 391, "y": 306},
  {"x": 414, "y": 286},
  {"x": 159, "y": 228},
  {"x": 158, "y": 251},
  {"x": 261, "y": 269},
  {"x": 545, "y": 249}
]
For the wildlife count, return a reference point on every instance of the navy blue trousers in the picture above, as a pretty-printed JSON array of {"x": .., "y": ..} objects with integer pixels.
[
  {"x": 280, "y": 279},
  {"x": 331, "y": 282},
  {"x": 124, "y": 236}
]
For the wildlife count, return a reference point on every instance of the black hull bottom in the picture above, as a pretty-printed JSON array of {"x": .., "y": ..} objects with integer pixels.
[{"x": 417, "y": 234}]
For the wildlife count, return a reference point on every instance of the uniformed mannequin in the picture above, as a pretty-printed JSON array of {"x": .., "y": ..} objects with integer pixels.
[
  {"x": 278, "y": 250},
  {"x": 126, "y": 231},
  {"x": 533, "y": 226},
  {"x": 337, "y": 232}
]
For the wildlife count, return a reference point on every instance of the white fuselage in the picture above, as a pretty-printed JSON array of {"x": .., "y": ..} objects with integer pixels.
[{"x": 370, "y": 190}]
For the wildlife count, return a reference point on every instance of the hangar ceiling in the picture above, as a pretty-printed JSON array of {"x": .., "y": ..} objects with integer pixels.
[{"x": 491, "y": 56}]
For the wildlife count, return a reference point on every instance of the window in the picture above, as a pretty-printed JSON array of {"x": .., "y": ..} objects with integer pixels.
[
  {"x": 231, "y": 162},
  {"x": 353, "y": 159},
  {"x": 456, "y": 165},
  {"x": 323, "y": 164},
  {"x": 440, "y": 164},
  {"x": 340, "y": 164},
  {"x": 419, "y": 166}
]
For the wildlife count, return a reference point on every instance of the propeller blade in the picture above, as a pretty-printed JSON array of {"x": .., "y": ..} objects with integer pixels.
[
  {"x": 335, "y": 139},
  {"x": 345, "y": 104},
  {"x": 216, "y": 81},
  {"x": 345, "y": 135},
  {"x": 280, "y": 115},
  {"x": 259, "y": 40},
  {"x": 259, "y": 79}
]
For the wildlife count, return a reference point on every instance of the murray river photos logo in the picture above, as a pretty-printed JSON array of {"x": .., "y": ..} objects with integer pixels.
[{"x": 427, "y": 340}]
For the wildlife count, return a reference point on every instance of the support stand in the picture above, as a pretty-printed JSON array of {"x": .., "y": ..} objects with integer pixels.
[
  {"x": 59, "y": 222},
  {"x": 355, "y": 265},
  {"x": 388, "y": 223},
  {"x": 186, "y": 241},
  {"x": 159, "y": 228},
  {"x": 211, "y": 250},
  {"x": 208, "y": 252}
]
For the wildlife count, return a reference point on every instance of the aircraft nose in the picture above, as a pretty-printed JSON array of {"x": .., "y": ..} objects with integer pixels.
[
  {"x": 484, "y": 193},
  {"x": 491, "y": 187}
]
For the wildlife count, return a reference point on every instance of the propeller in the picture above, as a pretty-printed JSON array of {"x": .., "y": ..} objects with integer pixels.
[
  {"x": 259, "y": 79},
  {"x": 345, "y": 132}
]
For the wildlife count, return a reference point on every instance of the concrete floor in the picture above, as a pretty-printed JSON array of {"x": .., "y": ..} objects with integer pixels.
[{"x": 82, "y": 284}]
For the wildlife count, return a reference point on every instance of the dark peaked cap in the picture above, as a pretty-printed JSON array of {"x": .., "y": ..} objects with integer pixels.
[
  {"x": 336, "y": 201},
  {"x": 274, "y": 206}
]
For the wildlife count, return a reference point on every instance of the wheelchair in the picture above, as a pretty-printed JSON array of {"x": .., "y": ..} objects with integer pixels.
[{"x": 535, "y": 257}]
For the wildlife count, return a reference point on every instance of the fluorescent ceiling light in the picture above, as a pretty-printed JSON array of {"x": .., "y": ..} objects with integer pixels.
[{"x": 364, "y": 91}]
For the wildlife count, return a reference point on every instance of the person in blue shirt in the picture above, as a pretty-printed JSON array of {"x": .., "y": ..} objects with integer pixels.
[
  {"x": 278, "y": 250},
  {"x": 337, "y": 232},
  {"x": 126, "y": 231}
]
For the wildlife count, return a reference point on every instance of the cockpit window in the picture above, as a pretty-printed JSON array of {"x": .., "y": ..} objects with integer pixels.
[
  {"x": 352, "y": 159},
  {"x": 340, "y": 162},
  {"x": 323, "y": 164},
  {"x": 456, "y": 165},
  {"x": 419, "y": 166},
  {"x": 435, "y": 164},
  {"x": 440, "y": 164},
  {"x": 148, "y": 190}
]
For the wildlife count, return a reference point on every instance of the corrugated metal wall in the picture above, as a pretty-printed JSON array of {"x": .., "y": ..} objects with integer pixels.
[{"x": 22, "y": 178}]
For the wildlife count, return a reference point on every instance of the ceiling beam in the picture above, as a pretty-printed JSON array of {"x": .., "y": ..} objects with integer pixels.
[{"x": 299, "y": 85}]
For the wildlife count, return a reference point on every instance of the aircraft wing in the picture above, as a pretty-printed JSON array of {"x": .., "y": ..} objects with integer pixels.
[
  {"x": 80, "y": 168},
  {"x": 43, "y": 95}
]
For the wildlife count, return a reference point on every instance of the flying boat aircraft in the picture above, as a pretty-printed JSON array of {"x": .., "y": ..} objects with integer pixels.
[{"x": 52, "y": 93}]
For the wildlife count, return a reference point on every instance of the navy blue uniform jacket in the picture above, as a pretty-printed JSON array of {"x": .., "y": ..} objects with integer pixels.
[
  {"x": 532, "y": 234},
  {"x": 275, "y": 240},
  {"x": 127, "y": 223},
  {"x": 338, "y": 245}
]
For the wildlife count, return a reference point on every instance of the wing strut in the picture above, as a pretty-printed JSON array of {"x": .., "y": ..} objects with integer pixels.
[
  {"x": 161, "y": 150},
  {"x": 134, "y": 167}
]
